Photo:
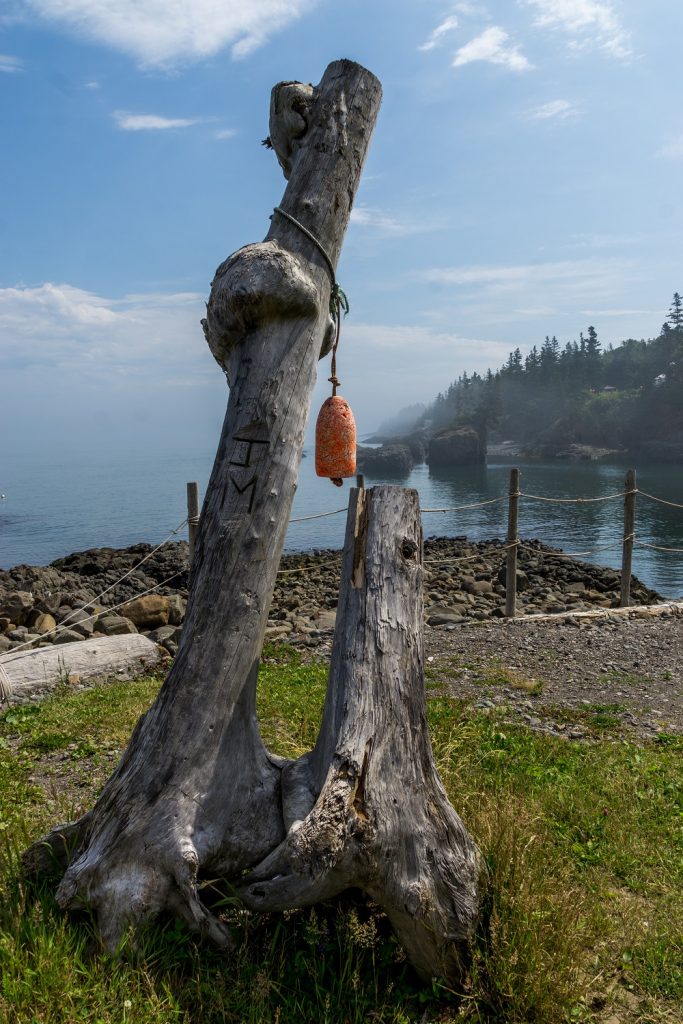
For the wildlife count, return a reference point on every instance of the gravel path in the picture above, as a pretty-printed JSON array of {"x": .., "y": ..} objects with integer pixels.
[{"x": 578, "y": 679}]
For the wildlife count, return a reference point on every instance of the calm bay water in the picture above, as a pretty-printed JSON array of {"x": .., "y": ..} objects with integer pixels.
[{"x": 51, "y": 509}]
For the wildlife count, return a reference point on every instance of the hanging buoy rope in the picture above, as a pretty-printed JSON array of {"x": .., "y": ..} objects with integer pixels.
[{"x": 335, "y": 428}]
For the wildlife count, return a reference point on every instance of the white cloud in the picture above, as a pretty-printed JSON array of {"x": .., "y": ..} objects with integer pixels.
[
  {"x": 505, "y": 297},
  {"x": 555, "y": 110},
  {"x": 60, "y": 327},
  {"x": 672, "y": 150},
  {"x": 10, "y": 65},
  {"x": 160, "y": 33},
  {"x": 468, "y": 10},
  {"x": 225, "y": 133},
  {"x": 491, "y": 46},
  {"x": 594, "y": 240},
  {"x": 620, "y": 312},
  {"x": 446, "y": 26},
  {"x": 92, "y": 85},
  {"x": 588, "y": 22},
  {"x": 80, "y": 369},
  {"x": 382, "y": 223},
  {"x": 150, "y": 122}
]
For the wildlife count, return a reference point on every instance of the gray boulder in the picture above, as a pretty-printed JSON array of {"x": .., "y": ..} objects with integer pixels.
[{"x": 115, "y": 625}]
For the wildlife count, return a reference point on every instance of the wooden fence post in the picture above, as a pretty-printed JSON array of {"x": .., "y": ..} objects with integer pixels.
[
  {"x": 511, "y": 564},
  {"x": 192, "y": 515},
  {"x": 629, "y": 533}
]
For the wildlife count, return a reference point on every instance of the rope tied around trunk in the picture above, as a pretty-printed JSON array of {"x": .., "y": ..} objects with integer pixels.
[{"x": 338, "y": 301}]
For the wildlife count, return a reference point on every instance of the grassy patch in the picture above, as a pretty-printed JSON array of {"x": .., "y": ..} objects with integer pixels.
[
  {"x": 583, "y": 917},
  {"x": 497, "y": 674},
  {"x": 595, "y": 718}
]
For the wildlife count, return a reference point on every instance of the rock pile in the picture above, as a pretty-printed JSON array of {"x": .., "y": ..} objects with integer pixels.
[{"x": 96, "y": 593}]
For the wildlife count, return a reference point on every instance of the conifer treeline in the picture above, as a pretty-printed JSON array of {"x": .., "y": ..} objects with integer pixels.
[{"x": 579, "y": 393}]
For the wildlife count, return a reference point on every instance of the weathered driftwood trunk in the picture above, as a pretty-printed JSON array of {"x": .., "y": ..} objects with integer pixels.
[
  {"x": 196, "y": 793},
  {"x": 196, "y": 789}
]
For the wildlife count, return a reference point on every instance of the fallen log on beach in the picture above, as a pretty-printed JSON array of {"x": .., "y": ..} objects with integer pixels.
[{"x": 29, "y": 672}]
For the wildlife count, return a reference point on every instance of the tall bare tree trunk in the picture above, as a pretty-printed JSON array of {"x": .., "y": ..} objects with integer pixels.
[{"x": 196, "y": 792}]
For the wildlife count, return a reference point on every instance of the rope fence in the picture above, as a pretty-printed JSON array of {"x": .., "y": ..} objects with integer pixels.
[
  {"x": 510, "y": 548},
  {"x": 62, "y": 627}
]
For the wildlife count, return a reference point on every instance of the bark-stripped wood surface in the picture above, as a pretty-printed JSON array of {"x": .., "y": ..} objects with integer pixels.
[
  {"x": 84, "y": 660},
  {"x": 196, "y": 793},
  {"x": 366, "y": 808}
]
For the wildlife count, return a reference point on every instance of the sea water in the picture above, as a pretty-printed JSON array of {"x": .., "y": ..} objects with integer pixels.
[{"x": 52, "y": 507}]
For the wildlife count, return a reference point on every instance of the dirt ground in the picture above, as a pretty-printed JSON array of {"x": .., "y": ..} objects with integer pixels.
[{"x": 576, "y": 679}]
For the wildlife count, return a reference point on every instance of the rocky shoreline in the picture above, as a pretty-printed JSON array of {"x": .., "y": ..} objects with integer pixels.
[
  {"x": 107, "y": 591},
  {"x": 572, "y": 665}
]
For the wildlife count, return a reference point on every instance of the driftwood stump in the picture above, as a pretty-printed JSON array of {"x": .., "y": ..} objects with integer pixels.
[
  {"x": 196, "y": 793},
  {"x": 366, "y": 808}
]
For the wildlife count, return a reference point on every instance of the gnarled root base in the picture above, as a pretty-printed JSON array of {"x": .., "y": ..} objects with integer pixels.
[{"x": 365, "y": 809}]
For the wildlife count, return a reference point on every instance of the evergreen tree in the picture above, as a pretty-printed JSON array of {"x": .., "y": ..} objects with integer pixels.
[
  {"x": 549, "y": 357},
  {"x": 592, "y": 344},
  {"x": 674, "y": 321},
  {"x": 532, "y": 361},
  {"x": 514, "y": 364},
  {"x": 592, "y": 350}
]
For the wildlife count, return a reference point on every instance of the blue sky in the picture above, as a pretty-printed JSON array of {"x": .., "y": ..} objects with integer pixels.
[{"x": 524, "y": 179}]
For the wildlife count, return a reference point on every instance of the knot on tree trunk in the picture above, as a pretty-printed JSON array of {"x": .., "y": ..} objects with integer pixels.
[
  {"x": 258, "y": 285},
  {"x": 290, "y": 107}
]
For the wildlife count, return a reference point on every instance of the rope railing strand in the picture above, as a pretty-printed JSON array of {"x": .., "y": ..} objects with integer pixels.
[
  {"x": 461, "y": 508},
  {"x": 656, "y": 547},
  {"x": 8, "y": 655},
  {"x": 662, "y": 501},
  {"x": 309, "y": 568},
  {"x": 575, "y": 501},
  {"x": 614, "y": 546},
  {"x": 137, "y": 565},
  {"x": 318, "y": 515}
]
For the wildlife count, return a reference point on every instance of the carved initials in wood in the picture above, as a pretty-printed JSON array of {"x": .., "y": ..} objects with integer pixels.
[{"x": 249, "y": 441}]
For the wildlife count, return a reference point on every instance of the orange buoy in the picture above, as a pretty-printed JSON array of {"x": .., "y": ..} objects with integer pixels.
[{"x": 335, "y": 440}]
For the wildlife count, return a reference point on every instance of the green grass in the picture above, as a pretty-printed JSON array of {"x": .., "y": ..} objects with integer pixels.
[{"x": 582, "y": 922}]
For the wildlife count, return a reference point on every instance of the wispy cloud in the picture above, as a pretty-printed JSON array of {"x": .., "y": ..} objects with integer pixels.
[
  {"x": 589, "y": 23},
  {"x": 10, "y": 65},
  {"x": 159, "y": 33},
  {"x": 150, "y": 122},
  {"x": 83, "y": 368},
  {"x": 468, "y": 10},
  {"x": 555, "y": 110},
  {"x": 92, "y": 86},
  {"x": 441, "y": 30},
  {"x": 595, "y": 240},
  {"x": 225, "y": 133},
  {"x": 382, "y": 223},
  {"x": 673, "y": 149},
  {"x": 59, "y": 326},
  {"x": 491, "y": 46},
  {"x": 510, "y": 275},
  {"x": 513, "y": 292}
]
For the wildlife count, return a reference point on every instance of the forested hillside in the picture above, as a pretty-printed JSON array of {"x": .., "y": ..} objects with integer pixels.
[{"x": 628, "y": 396}]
